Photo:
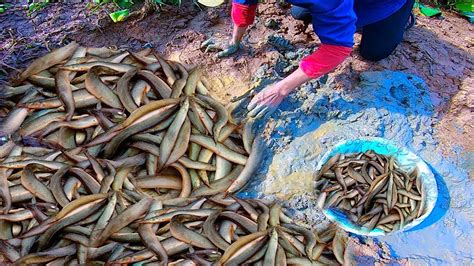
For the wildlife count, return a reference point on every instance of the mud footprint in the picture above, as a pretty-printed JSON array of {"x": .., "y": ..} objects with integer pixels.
[{"x": 401, "y": 93}]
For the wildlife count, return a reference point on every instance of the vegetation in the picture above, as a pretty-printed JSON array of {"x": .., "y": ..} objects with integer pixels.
[
  {"x": 449, "y": 4},
  {"x": 36, "y": 6},
  {"x": 148, "y": 7},
  {"x": 119, "y": 3},
  {"x": 124, "y": 6}
]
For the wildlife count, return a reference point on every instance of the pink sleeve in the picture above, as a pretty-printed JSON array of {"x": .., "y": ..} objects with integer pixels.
[
  {"x": 325, "y": 59},
  {"x": 243, "y": 15}
]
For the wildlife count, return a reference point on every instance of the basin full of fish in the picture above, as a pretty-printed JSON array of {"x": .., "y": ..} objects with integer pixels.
[
  {"x": 114, "y": 156},
  {"x": 371, "y": 190}
]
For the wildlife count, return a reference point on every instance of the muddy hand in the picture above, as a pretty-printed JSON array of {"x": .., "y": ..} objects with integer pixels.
[
  {"x": 213, "y": 45},
  {"x": 266, "y": 101}
]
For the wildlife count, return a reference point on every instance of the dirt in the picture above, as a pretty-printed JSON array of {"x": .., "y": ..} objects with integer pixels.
[{"x": 440, "y": 51}]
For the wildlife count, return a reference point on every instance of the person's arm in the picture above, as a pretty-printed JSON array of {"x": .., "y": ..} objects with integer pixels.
[
  {"x": 267, "y": 101},
  {"x": 324, "y": 60},
  {"x": 334, "y": 23}
]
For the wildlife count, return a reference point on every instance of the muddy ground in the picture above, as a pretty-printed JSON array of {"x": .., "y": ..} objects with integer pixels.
[{"x": 439, "y": 51}]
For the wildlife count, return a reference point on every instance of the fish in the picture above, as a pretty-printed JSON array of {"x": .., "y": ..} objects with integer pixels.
[
  {"x": 117, "y": 156},
  {"x": 171, "y": 135},
  {"x": 193, "y": 79},
  {"x": 101, "y": 91},
  {"x": 64, "y": 89},
  {"x": 211, "y": 233},
  {"x": 219, "y": 148},
  {"x": 123, "y": 90},
  {"x": 221, "y": 113},
  {"x": 251, "y": 166},
  {"x": 271, "y": 252},
  {"x": 123, "y": 219},
  {"x": 239, "y": 244},
  {"x": 182, "y": 233},
  {"x": 47, "y": 61},
  {"x": 379, "y": 191}
]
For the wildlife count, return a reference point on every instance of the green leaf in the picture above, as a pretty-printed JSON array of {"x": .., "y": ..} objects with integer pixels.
[
  {"x": 120, "y": 15},
  {"x": 465, "y": 6},
  {"x": 4, "y": 7},
  {"x": 33, "y": 7},
  {"x": 429, "y": 11}
]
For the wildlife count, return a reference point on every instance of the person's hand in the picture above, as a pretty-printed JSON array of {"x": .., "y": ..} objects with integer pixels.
[
  {"x": 213, "y": 45},
  {"x": 267, "y": 101}
]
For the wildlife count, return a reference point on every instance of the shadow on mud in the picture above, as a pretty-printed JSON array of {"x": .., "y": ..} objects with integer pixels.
[{"x": 442, "y": 203}]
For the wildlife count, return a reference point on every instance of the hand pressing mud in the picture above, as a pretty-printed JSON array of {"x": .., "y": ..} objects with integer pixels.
[
  {"x": 267, "y": 101},
  {"x": 225, "y": 49}
]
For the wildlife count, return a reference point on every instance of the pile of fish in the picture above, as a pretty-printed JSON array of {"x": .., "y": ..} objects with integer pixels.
[
  {"x": 371, "y": 190},
  {"x": 117, "y": 156}
]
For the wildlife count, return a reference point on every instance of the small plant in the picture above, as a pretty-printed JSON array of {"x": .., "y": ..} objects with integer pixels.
[
  {"x": 441, "y": 3},
  {"x": 117, "y": 16},
  {"x": 36, "y": 6},
  {"x": 119, "y": 3},
  {"x": 4, "y": 7}
]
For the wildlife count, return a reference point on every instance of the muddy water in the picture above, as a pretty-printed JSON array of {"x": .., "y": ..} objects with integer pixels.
[{"x": 390, "y": 105}]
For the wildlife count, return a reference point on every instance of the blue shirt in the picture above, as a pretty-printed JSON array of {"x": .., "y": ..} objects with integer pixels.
[{"x": 335, "y": 21}]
